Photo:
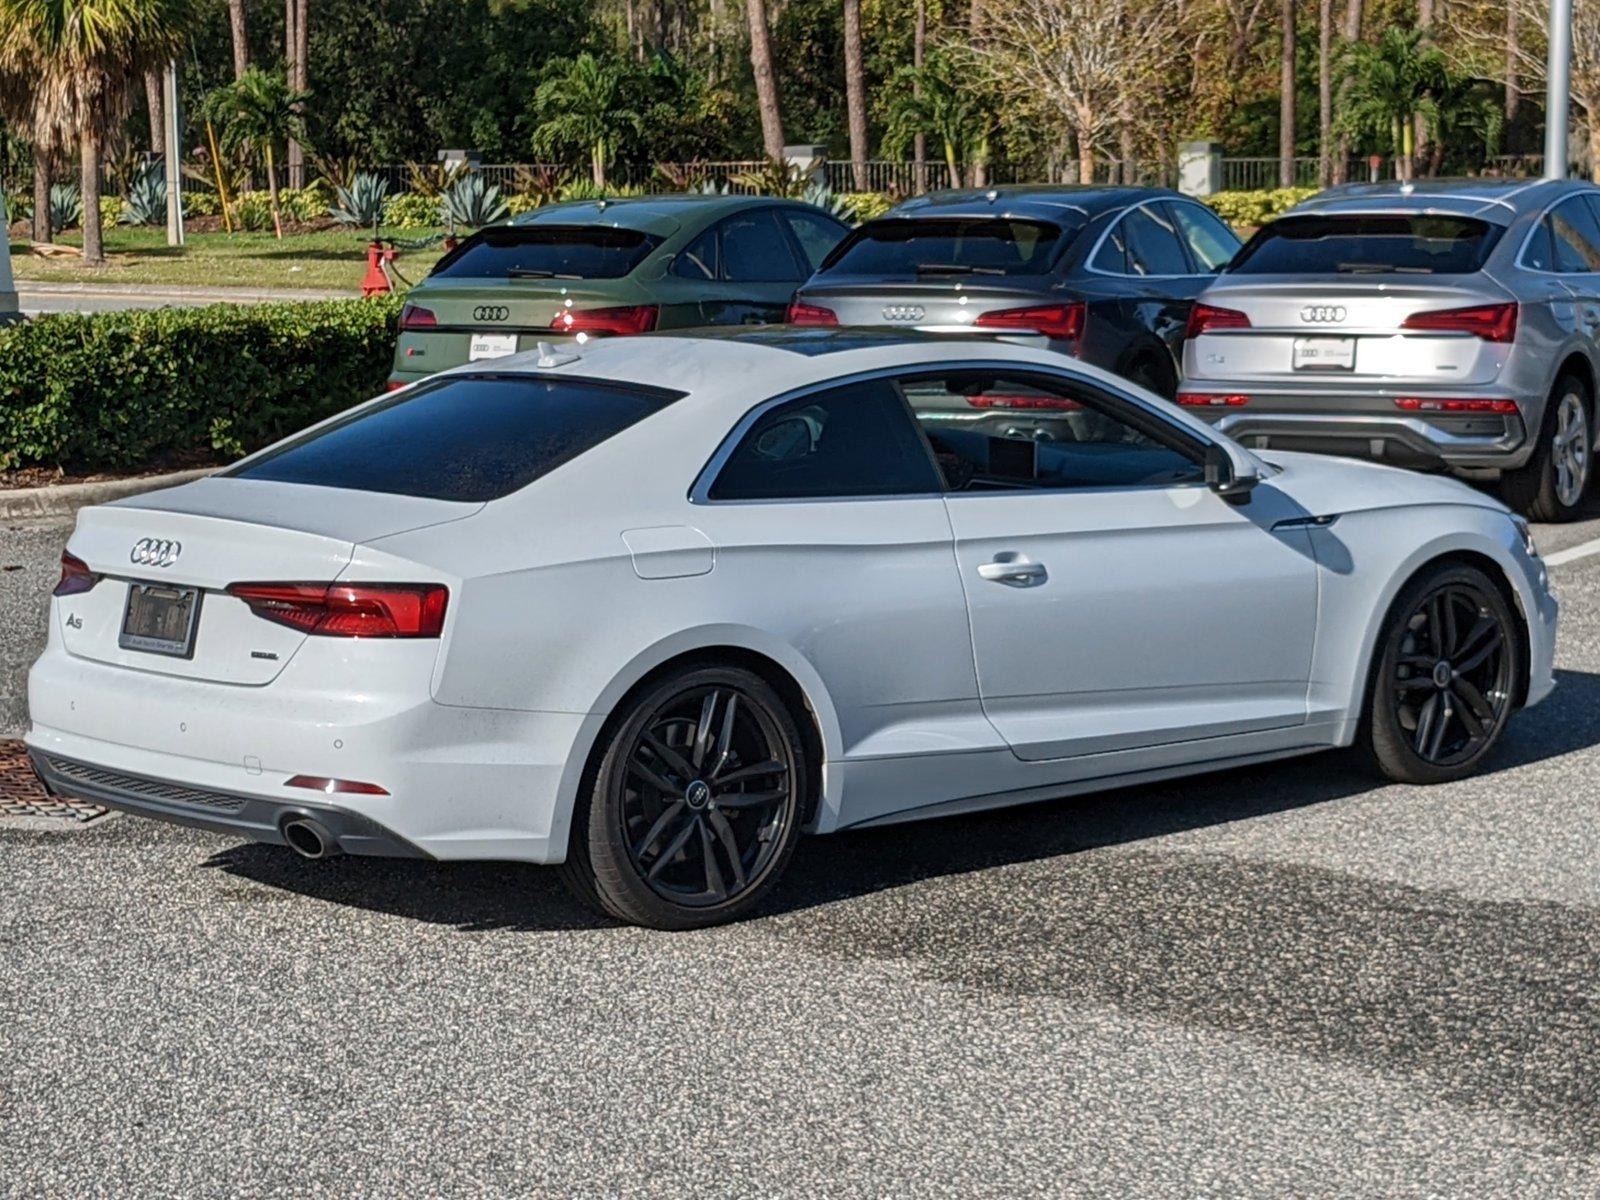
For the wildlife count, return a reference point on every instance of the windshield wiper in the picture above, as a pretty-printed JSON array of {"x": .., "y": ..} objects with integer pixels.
[
  {"x": 535, "y": 273},
  {"x": 956, "y": 269}
]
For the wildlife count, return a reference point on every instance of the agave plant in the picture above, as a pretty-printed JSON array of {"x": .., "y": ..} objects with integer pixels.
[
  {"x": 473, "y": 203},
  {"x": 146, "y": 199},
  {"x": 361, "y": 202},
  {"x": 66, "y": 205}
]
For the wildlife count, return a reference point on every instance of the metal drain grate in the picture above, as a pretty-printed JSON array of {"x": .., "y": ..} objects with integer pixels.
[{"x": 22, "y": 795}]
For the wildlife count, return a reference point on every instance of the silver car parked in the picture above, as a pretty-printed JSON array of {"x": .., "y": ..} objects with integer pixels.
[{"x": 1441, "y": 325}]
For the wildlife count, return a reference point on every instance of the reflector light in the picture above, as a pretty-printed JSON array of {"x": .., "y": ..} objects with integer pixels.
[
  {"x": 1061, "y": 322},
  {"x": 621, "y": 320},
  {"x": 76, "y": 577},
  {"x": 357, "y": 610},
  {"x": 1434, "y": 404},
  {"x": 414, "y": 316},
  {"x": 1213, "y": 399},
  {"x": 811, "y": 314},
  {"x": 1491, "y": 322},
  {"x": 334, "y": 787},
  {"x": 394, "y": 385},
  {"x": 1203, "y": 318}
]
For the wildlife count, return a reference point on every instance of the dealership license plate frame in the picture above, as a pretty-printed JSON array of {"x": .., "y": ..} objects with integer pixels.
[
  {"x": 1324, "y": 354},
  {"x": 160, "y": 618},
  {"x": 491, "y": 345}
]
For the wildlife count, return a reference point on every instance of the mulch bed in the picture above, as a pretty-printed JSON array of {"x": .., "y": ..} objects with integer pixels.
[{"x": 22, "y": 795}]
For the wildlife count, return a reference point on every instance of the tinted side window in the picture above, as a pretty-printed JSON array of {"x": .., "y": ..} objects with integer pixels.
[
  {"x": 699, "y": 259},
  {"x": 465, "y": 437},
  {"x": 1540, "y": 254},
  {"x": 1576, "y": 235},
  {"x": 755, "y": 250},
  {"x": 1153, "y": 247},
  {"x": 855, "y": 440},
  {"x": 992, "y": 434},
  {"x": 1112, "y": 256},
  {"x": 816, "y": 234},
  {"x": 1211, "y": 243}
]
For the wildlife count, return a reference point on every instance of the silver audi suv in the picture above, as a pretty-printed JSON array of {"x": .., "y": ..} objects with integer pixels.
[{"x": 1447, "y": 325}]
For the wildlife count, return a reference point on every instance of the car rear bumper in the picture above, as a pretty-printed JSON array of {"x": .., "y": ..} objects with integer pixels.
[
  {"x": 461, "y": 783},
  {"x": 1470, "y": 441}
]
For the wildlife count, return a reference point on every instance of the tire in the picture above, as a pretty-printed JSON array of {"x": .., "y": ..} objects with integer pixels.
[
  {"x": 1552, "y": 486},
  {"x": 696, "y": 804},
  {"x": 1454, "y": 615},
  {"x": 1152, "y": 378}
]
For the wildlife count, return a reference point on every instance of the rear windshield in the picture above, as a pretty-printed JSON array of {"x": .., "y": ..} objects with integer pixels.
[
  {"x": 469, "y": 438},
  {"x": 948, "y": 246},
  {"x": 1368, "y": 244},
  {"x": 547, "y": 252}
]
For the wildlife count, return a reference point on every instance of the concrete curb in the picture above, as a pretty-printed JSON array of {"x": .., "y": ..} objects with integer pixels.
[
  {"x": 32, "y": 504},
  {"x": 174, "y": 295}
]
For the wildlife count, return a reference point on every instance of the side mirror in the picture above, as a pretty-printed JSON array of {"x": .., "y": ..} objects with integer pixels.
[{"x": 1222, "y": 479}]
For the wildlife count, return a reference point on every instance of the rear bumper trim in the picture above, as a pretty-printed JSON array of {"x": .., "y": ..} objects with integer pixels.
[
  {"x": 252, "y": 817},
  {"x": 1420, "y": 437}
]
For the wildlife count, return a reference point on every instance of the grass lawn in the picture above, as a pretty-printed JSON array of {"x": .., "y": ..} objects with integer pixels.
[{"x": 334, "y": 259}]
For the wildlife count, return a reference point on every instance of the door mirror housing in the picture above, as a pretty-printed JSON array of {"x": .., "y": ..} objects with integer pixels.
[{"x": 1227, "y": 481}]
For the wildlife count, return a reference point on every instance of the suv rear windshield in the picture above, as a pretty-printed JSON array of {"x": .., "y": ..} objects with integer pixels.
[
  {"x": 547, "y": 252},
  {"x": 1368, "y": 244},
  {"x": 468, "y": 437},
  {"x": 931, "y": 247}
]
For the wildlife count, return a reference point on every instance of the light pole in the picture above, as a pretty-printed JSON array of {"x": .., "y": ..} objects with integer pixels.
[
  {"x": 1558, "y": 74},
  {"x": 174, "y": 123}
]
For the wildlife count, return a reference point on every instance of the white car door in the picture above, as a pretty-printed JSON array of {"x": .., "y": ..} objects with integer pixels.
[{"x": 1116, "y": 601}]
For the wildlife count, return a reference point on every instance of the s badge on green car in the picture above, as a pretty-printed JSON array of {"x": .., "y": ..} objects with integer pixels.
[{"x": 608, "y": 268}]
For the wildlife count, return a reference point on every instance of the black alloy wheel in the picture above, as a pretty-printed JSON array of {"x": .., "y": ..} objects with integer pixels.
[{"x": 697, "y": 804}]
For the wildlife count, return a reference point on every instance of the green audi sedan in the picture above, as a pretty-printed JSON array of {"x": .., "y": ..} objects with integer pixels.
[{"x": 604, "y": 267}]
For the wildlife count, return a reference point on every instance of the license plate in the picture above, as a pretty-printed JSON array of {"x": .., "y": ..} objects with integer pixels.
[
  {"x": 160, "y": 619},
  {"x": 491, "y": 345},
  {"x": 1325, "y": 354}
]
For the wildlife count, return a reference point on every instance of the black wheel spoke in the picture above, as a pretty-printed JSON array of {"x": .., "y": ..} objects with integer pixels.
[
  {"x": 1463, "y": 711},
  {"x": 1441, "y": 725},
  {"x": 1425, "y": 720},
  {"x": 714, "y": 881},
  {"x": 724, "y": 747},
  {"x": 1448, "y": 604},
  {"x": 671, "y": 852},
  {"x": 703, "y": 731},
  {"x": 1478, "y": 657},
  {"x": 675, "y": 762},
  {"x": 660, "y": 782},
  {"x": 751, "y": 799},
  {"x": 1449, "y": 702},
  {"x": 757, "y": 771},
  {"x": 1416, "y": 683},
  {"x": 1436, "y": 625},
  {"x": 1472, "y": 698},
  {"x": 1482, "y": 628},
  {"x": 668, "y": 815},
  {"x": 730, "y": 844}
]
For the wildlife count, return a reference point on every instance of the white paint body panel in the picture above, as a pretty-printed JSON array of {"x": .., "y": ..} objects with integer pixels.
[{"x": 1175, "y": 632}]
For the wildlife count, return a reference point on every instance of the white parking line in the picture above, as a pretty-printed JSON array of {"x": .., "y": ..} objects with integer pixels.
[{"x": 1572, "y": 553}]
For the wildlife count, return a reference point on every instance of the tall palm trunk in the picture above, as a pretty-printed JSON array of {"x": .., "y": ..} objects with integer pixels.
[
  {"x": 1286, "y": 114},
  {"x": 1325, "y": 93},
  {"x": 241, "y": 39},
  {"x": 952, "y": 162},
  {"x": 272, "y": 192},
  {"x": 1513, "y": 79},
  {"x": 919, "y": 143},
  {"x": 94, "y": 251},
  {"x": 156, "y": 104},
  {"x": 855, "y": 91},
  {"x": 41, "y": 194},
  {"x": 295, "y": 46},
  {"x": 1352, "y": 33},
  {"x": 597, "y": 163},
  {"x": 1421, "y": 142},
  {"x": 766, "y": 81}
]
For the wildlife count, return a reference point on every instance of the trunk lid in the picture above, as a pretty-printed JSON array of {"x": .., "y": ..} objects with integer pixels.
[
  {"x": 225, "y": 531},
  {"x": 946, "y": 306}
]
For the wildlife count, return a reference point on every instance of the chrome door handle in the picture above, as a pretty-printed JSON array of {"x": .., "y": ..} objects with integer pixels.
[{"x": 1017, "y": 572}]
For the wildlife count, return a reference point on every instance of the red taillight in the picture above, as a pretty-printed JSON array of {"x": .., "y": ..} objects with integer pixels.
[
  {"x": 414, "y": 316},
  {"x": 1433, "y": 404},
  {"x": 1213, "y": 399},
  {"x": 1203, "y": 318},
  {"x": 623, "y": 319},
  {"x": 1058, "y": 321},
  {"x": 333, "y": 787},
  {"x": 394, "y": 385},
  {"x": 1491, "y": 322},
  {"x": 810, "y": 314},
  {"x": 376, "y": 610},
  {"x": 1053, "y": 403},
  {"x": 75, "y": 576}
]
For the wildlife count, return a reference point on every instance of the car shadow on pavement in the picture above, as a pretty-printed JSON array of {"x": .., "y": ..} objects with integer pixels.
[{"x": 487, "y": 896}]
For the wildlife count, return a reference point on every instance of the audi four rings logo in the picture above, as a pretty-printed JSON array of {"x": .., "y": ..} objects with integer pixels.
[
  {"x": 155, "y": 552},
  {"x": 491, "y": 312},
  {"x": 1322, "y": 313},
  {"x": 904, "y": 312}
]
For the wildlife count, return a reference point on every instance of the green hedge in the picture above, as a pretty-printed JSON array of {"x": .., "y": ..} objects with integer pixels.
[
  {"x": 1247, "y": 210},
  {"x": 115, "y": 390}
]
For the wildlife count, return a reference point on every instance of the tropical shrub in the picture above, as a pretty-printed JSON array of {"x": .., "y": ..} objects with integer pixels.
[
  {"x": 864, "y": 206},
  {"x": 361, "y": 202},
  {"x": 411, "y": 210},
  {"x": 520, "y": 202},
  {"x": 201, "y": 204},
  {"x": 114, "y": 390}
]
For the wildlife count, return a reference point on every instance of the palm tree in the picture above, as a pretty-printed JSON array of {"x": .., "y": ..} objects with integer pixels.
[
  {"x": 936, "y": 100},
  {"x": 1391, "y": 84},
  {"x": 580, "y": 104},
  {"x": 1286, "y": 97},
  {"x": 766, "y": 81},
  {"x": 855, "y": 92},
  {"x": 81, "y": 60},
  {"x": 258, "y": 113}
]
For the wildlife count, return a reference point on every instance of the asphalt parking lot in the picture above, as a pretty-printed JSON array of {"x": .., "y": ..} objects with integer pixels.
[{"x": 1280, "y": 981}]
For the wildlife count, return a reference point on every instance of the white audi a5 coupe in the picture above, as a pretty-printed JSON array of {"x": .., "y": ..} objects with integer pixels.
[{"x": 652, "y": 607}]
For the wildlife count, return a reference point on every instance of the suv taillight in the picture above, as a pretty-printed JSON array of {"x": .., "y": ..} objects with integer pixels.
[
  {"x": 75, "y": 576},
  {"x": 623, "y": 319},
  {"x": 1491, "y": 322},
  {"x": 375, "y": 610},
  {"x": 1060, "y": 322},
  {"x": 414, "y": 316},
  {"x": 1203, "y": 318},
  {"x": 810, "y": 314}
]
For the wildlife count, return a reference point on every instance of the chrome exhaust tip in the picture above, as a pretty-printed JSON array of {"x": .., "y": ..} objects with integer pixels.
[{"x": 309, "y": 839}]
